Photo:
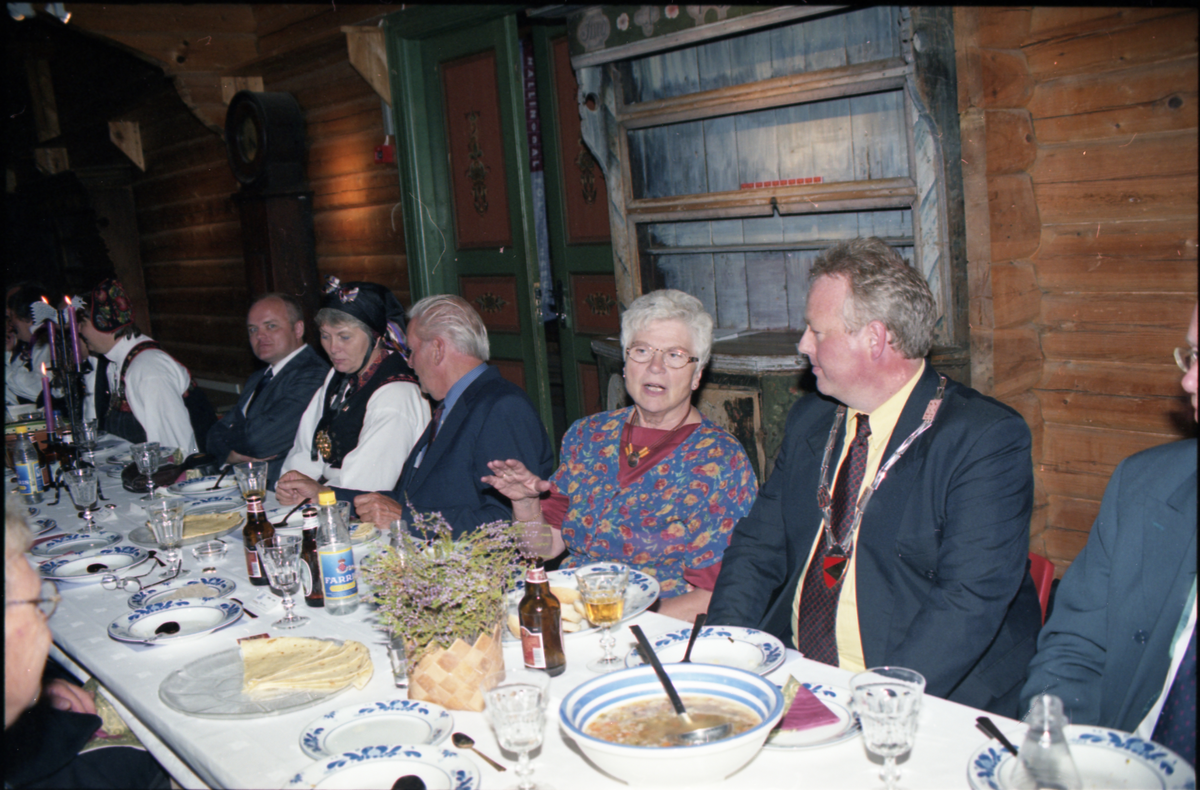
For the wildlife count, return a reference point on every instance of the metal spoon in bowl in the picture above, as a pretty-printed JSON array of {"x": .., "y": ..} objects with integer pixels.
[
  {"x": 700, "y": 728},
  {"x": 696, "y": 626},
  {"x": 989, "y": 726},
  {"x": 283, "y": 521}
]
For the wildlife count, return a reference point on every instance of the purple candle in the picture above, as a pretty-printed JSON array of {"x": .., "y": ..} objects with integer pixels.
[
  {"x": 48, "y": 405},
  {"x": 74, "y": 325},
  {"x": 51, "y": 331}
]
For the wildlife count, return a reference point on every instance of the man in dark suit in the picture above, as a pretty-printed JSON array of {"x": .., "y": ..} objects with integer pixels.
[
  {"x": 1120, "y": 646},
  {"x": 481, "y": 416},
  {"x": 262, "y": 426},
  {"x": 918, "y": 550}
]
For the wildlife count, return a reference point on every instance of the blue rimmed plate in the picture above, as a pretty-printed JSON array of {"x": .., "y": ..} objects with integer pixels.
[
  {"x": 74, "y": 567},
  {"x": 379, "y": 766},
  {"x": 1108, "y": 759},
  {"x": 218, "y": 503},
  {"x": 42, "y": 525},
  {"x": 728, "y": 646},
  {"x": 396, "y": 721},
  {"x": 838, "y": 701},
  {"x": 203, "y": 486},
  {"x": 77, "y": 542},
  {"x": 206, "y": 587},
  {"x": 194, "y": 617},
  {"x": 641, "y": 592}
]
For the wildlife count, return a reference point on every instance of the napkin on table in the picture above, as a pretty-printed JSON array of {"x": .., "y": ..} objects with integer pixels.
[{"x": 806, "y": 710}]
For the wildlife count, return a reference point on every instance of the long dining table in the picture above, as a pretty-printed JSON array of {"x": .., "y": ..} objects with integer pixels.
[{"x": 265, "y": 751}]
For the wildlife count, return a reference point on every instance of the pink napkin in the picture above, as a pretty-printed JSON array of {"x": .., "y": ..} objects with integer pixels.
[{"x": 807, "y": 712}]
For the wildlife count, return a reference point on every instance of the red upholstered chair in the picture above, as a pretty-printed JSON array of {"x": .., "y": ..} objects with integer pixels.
[{"x": 1042, "y": 571}]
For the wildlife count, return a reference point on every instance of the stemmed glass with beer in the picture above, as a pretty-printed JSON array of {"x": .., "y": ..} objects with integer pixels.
[{"x": 603, "y": 593}]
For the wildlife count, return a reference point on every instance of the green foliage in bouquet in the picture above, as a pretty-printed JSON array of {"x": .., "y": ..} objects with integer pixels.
[{"x": 437, "y": 589}]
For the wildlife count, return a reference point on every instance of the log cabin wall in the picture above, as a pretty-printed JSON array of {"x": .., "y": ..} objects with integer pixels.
[
  {"x": 1079, "y": 129},
  {"x": 188, "y": 222}
]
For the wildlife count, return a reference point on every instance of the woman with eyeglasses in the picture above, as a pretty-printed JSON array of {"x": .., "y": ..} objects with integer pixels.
[
  {"x": 656, "y": 486},
  {"x": 49, "y": 718},
  {"x": 360, "y": 425}
]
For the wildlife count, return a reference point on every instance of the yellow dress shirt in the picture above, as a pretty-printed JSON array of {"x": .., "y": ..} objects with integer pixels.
[{"x": 883, "y": 421}]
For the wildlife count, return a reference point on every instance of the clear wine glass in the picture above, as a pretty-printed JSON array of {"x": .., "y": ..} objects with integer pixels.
[
  {"x": 165, "y": 520},
  {"x": 145, "y": 455},
  {"x": 84, "y": 490},
  {"x": 280, "y": 556},
  {"x": 515, "y": 701},
  {"x": 887, "y": 701},
  {"x": 603, "y": 594}
]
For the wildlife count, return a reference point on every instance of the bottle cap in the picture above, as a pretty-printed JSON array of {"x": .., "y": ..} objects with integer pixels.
[{"x": 326, "y": 497}]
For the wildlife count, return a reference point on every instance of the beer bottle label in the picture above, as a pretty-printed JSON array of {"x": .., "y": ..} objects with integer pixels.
[
  {"x": 253, "y": 569},
  {"x": 533, "y": 648}
]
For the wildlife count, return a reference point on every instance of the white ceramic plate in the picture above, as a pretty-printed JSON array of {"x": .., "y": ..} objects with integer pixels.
[
  {"x": 838, "y": 701},
  {"x": 641, "y": 592},
  {"x": 42, "y": 525},
  {"x": 396, "y": 721},
  {"x": 211, "y": 688},
  {"x": 202, "y": 486},
  {"x": 1106, "y": 759},
  {"x": 193, "y": 616},
  {"x": 729, "y": 646},
  {"x": 380, "y": 766},
  {"x": 221, "y": 503},
  {"x": 76, "y": 542},
  {"x": 206, "y": 587},
  {"x": 73, "y": 567}
]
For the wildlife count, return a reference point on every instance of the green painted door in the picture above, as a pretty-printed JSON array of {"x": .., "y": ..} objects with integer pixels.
[{"x": 464, "y": 171}]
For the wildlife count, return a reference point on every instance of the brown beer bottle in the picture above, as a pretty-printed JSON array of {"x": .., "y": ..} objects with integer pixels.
[
  {"x": 257, "y": 528},
  {"x": 540, "y": 616},
  {"x": 310, "y": 568}
]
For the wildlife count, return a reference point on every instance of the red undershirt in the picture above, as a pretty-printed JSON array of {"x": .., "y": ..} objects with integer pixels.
[{"x": 555, "y": 505}]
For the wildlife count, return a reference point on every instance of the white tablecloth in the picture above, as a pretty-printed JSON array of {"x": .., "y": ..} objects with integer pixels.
[{"x": 265, "y": 752}]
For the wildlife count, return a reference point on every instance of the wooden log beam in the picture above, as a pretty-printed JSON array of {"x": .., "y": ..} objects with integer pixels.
[
  {"x": 368, "y": 56},
  {"x": 127, "y": 136}
]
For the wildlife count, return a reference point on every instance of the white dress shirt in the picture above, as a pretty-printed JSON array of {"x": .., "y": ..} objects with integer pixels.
[{"x": 154, "y": 387}]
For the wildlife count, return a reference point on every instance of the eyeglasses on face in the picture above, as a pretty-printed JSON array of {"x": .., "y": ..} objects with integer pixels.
[
  {"x": 46, "y": 603},
  {"x": 675, "y": 358},
  {"x": 1185, "y": 358}
]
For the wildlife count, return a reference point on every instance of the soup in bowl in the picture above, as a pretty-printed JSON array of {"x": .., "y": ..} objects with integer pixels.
[{"x": 630, "y": 705}]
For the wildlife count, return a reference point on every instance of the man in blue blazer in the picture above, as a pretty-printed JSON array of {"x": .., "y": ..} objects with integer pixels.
[
  {"x": 928, "y": 570},
  {"x": 482, "y": 416},
  {"x": 1125, "y": 611},
  {"x": 262, "y": 426}
]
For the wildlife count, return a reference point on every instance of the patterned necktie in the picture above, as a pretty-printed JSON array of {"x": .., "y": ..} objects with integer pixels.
[
  {"x": 816, "y": 617},
  {"x": 102, "y": 395},
  {"x": 1176, "y": 727},
  {"x": 436, "y": 421},
  {"x": 259, "y": 387}
]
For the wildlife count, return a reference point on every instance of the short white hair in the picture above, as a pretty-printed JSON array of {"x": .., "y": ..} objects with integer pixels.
[
  {"x": 670, "y": 305},
  {"x": 452, "y": 318}
]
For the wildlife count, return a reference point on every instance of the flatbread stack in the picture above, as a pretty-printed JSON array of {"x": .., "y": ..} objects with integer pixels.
[
  {"x": 209, "y": 524},
  {"x": 362, "y": 531},
  {"x": 290, "y": 663}
]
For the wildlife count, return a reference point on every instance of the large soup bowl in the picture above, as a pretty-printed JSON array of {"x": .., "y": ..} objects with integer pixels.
[{"x": 671, "y": 766}]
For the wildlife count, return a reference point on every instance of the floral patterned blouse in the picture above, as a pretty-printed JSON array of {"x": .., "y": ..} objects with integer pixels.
[{"x": 677, "y": 515}]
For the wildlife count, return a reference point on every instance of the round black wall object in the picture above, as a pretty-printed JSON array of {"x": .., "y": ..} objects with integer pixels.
[{"x": 264, "y": 137}]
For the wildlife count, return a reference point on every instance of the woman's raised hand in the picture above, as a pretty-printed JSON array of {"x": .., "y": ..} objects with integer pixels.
[{"x": 514, "y": 481}]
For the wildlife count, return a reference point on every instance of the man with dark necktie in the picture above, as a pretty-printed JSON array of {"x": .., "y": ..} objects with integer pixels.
[
  {"x": 894, "y": 529},
  {"x": 1120, "y": 645},
  {"x": 262, "y": 425}
]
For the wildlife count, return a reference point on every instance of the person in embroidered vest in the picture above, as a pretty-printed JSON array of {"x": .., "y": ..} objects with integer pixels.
[
  {"x": 1119, "y": 647},
  {"x": 361, "y": 424},
  {"x": 657, "y": 486},
  {"x": 25, "y": 350},
  {"x": 480, "y": 415},
  {"x": 140, "y": 392},
  {"x": 928, "y": 573},
  {"x": 262, "y": 424}
]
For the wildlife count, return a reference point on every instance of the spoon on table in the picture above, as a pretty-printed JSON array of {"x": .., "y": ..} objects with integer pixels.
[
  {"x": 219, "y": 479},
  {"x": 409, "y": 782},
  {"x": 249, "y": 613},
  {"x": 696, "y": 626},
  {"x": 700, "y": 728},
  {"x": 464, "y": 741},
  {"x": 283, "y": 521},
  {"x": 989, "y": 726}
]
